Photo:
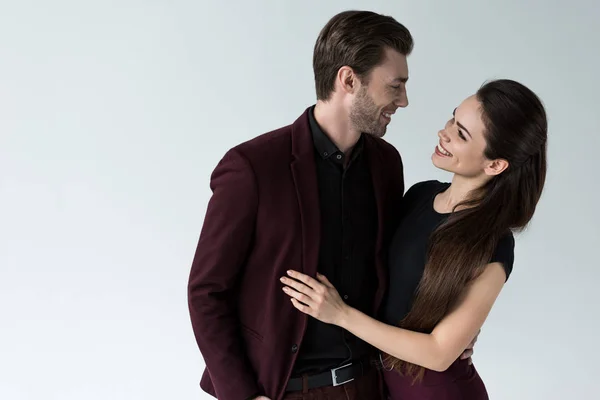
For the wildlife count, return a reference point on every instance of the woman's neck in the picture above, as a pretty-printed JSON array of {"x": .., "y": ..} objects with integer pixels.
[{"x": 459, "y": 191}]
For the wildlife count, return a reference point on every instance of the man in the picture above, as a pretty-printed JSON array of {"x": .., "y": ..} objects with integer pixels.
[{"x": 320, "y": 195}]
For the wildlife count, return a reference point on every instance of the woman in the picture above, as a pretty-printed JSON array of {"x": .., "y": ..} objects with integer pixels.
[{"x": 453, "y": 250}]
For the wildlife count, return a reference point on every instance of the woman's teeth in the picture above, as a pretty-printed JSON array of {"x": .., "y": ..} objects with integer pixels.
[{"x": 444, "y": 152}]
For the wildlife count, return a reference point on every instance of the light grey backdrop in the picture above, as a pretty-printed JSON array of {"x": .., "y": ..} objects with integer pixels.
[{"x": 114, "y": 113}]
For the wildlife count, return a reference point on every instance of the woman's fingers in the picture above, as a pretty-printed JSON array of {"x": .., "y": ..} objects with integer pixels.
[
  {"x": 302, "y": 307},
  {"x": 323, "y": 279},
  {"x": 307, "y": 280},
  {"x": 299, "y": 296},
  {"x": 299, "y": 287}
]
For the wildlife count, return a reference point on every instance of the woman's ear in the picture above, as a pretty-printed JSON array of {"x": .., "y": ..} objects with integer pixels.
[{"x": 496, "y": 167}]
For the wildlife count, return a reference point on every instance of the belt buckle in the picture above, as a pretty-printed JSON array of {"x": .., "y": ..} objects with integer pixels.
[{"x": 334, "y": 376}]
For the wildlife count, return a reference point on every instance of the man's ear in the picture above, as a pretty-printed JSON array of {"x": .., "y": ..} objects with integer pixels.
[{"x": 347, "y": 80}]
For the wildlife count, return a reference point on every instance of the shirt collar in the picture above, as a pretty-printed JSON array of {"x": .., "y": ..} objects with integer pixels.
[{"x": 324, "y": 146}]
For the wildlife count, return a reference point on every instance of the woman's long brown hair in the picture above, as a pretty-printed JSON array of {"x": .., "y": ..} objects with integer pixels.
[{"x": 515, "y": 130}]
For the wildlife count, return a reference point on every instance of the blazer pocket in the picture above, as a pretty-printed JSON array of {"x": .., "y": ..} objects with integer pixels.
[{"x": 252, "y": 333}]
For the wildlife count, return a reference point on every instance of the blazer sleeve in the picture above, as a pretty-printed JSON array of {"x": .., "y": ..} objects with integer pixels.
[{"x": 220, "y": 257}]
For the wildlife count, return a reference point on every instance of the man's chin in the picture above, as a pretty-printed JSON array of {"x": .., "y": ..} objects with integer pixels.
[
  {"x": 379, "y": 133},
  {"x": 376, "y": 130}
]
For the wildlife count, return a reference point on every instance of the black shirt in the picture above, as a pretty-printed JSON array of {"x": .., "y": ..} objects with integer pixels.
[
  {"x": 408, "y": 251},
  {"x": 347, "y": 250}
]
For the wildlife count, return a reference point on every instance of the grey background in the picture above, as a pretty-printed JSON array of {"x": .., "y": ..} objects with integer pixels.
[{"x": 114, "y": 113}]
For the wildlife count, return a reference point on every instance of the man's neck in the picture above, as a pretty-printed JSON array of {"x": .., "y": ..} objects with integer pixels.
[{"x": 335, "y": 122}]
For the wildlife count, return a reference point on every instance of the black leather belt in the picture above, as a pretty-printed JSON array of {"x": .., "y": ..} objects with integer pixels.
[{"x": 334, "y": 377}]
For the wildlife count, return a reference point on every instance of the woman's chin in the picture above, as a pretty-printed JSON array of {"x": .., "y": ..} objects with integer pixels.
[
  {"x": 435, "y": 160},
  {"x": 440, "y": 165}
]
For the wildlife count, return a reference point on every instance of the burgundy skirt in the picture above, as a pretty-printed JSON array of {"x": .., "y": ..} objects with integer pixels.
[{"x": 459, "y": 382}]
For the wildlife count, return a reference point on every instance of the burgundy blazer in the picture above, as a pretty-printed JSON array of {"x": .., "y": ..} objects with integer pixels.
[{"x": 263, "y": 219}]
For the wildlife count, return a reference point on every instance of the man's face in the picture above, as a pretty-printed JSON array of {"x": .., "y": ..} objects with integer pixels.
[{"x": 380, "y": 95}]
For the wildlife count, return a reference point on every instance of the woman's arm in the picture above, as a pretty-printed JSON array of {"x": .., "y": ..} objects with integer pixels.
[{"x": 435, "y": 351}]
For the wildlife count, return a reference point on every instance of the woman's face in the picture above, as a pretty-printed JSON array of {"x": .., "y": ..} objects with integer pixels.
[{"x": 462, "y": 142}]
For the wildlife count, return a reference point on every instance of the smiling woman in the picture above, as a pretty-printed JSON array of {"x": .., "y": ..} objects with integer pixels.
[
  {"x": 462, "y": 142},
  {"x": 454, "y": 248}
]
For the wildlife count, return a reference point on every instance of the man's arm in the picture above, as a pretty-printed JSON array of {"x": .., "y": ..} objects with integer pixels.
[{"x": 218, "y": 262}]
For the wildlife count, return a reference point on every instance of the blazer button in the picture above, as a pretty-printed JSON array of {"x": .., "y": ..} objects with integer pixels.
[{"x": 294, "y": 348}]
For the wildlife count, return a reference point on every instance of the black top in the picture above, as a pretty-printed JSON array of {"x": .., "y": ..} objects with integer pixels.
[
  {"x": 408, "y": 251},
  {"x": 347, "y": 250}
]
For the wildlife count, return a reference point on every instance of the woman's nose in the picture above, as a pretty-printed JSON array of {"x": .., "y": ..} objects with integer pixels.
[{"x": 443, "y": 135}]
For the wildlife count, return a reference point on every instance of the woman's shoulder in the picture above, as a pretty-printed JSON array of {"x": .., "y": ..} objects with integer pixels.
[
  {"x": 506, "y": 244},
  {"x": 505, "y": 252},
  {"x": 421, "y": 193},
  {"x": 426, "y": 188}
]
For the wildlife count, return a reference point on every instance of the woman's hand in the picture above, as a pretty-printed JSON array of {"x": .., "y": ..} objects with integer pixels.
[{"x": 319, "y": 299}]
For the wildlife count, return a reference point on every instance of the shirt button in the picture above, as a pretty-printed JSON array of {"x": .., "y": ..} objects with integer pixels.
[
  {"x": 325, "y": 153},
  {"x": 294, "y": 348},
  {"x": 345, "y": 297},
  {"x": 339, "y": 156}
]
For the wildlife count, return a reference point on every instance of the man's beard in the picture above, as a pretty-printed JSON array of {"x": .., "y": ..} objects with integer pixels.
[{"x": 365, "y": 115}]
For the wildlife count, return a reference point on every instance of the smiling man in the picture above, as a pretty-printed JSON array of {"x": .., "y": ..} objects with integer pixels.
[{"x": 319, "y": 195}]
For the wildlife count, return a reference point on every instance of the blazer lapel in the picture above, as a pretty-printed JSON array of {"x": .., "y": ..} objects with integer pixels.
[
  {"x": 304, "y": 174},
  {"x": 379, "y": 187}
]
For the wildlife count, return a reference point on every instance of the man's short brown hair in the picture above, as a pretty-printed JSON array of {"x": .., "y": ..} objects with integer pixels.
[{"x": 356, "y": 39}]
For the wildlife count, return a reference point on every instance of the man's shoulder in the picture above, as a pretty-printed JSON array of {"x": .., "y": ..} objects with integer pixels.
[
  {"x": 383, "y": 144},
  {"x": 274, "y": 146},
  {"x": 385, "y": 148},
  {"x": 273, "y": 141}
]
